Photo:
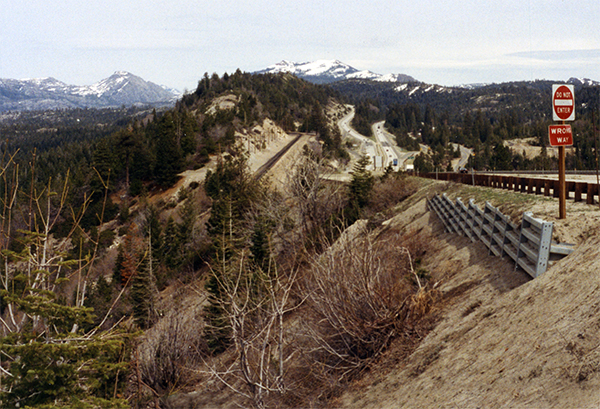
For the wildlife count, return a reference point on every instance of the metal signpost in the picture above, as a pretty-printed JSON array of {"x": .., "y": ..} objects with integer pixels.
[{"x": 563, "y": 109}]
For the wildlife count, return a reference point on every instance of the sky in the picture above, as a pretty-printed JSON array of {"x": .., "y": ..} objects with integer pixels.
[{"x": 174, "y": 42}]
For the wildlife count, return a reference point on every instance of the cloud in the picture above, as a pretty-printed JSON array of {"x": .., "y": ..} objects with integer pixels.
[{"x": 560, "y": 55}]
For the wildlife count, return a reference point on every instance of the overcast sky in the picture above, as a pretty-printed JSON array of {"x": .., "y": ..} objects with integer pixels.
[{"x": 174, "y": 43}]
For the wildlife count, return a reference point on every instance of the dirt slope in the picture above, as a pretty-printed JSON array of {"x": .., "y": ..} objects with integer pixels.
[{"x": 502, "y": 339}]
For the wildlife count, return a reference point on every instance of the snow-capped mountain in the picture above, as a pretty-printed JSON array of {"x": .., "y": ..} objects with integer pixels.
[
  {"x": 583, "y": 82},
  {"x": 328, "y": 71},
  {"x": 121, "y": 88}
]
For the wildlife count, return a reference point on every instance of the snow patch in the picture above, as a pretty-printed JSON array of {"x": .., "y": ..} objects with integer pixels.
[{"x": 413, "y": 90}]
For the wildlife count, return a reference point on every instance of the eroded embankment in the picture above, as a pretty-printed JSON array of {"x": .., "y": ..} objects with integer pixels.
[{"x": 502, "y": 339}]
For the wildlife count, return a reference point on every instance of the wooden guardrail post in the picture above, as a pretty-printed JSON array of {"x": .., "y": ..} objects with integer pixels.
[
  {"x": 579, "y": 187},
  {"x": 530, "y": 184},
  {"x": 539, "y": 184},
  {"x": 592, "y": 189},
  {"x": 547, "y": 186},
  {"x": 570, "y": 187}
]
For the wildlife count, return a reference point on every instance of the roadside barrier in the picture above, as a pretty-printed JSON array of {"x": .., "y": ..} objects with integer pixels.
[
  {"x": 529, "y": 244},
  {"x": 546, "y": 187}
]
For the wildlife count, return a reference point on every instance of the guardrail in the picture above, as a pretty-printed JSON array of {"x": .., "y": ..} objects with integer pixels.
[
  {"x": 529, "y": 244},
  {"x": 546, "y": 187}
]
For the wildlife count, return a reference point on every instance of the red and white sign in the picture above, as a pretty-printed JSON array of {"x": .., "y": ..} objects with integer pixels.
[
  {"x": 560, "y": 135},
  {"x": 563, "y": 102}
]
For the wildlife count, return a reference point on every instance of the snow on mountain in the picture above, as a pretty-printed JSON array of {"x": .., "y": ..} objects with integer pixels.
[
  {"x": 320, "y": 71},
  {"x": 121, "y": 88},
  {"x": 395, "y": 78},
  {"x": 583, "y": 82},
  {"x": 327, "y": 71},
  {"x": 473, "y": 85},
  {"x": 364, "y": 75}
]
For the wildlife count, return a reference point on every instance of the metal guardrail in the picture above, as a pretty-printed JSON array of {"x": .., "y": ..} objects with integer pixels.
[
  {"x": 529, "y": 245},
  {"x": 547, "y": 187}
]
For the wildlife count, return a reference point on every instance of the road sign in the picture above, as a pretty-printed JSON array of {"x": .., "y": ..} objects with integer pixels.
[
  {"x": 560, "y": 135},
  {"x": 563, "y": 102}
]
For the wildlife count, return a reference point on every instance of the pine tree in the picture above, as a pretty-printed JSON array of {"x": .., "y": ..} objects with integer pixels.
[
  {"x": 132, "y": 254},
  {"x": 171, "y": 244},
  {"x": 169, "y": 157},
  {"x": 361, "y": 184},
  {"x": 232, "y": 190},
  {"x": 143, "y": 291},
  {"x": 47, "y": 359}
]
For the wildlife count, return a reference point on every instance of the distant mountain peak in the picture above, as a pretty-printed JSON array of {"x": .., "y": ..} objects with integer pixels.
[
  {"x": 122, "y": 73},
  {"x": 121, "y": 88},
  {"x": 328, "y": 71},
  {"x": 583, "y": 82}
]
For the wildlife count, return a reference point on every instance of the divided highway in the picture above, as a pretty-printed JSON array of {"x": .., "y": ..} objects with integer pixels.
[
  {"x": 383, "y": 150},
  {"x": 384, "y": 146},
  {"x": 393, "y": 155}
]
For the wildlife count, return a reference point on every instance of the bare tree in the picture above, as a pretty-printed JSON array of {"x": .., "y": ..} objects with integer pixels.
[
  {"x": 256, "y": 302},
  {"x": 316, "y": 198},
  {"x": 43, "y": 262}
]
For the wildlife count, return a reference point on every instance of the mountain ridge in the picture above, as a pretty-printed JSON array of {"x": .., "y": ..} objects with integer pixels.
[
  {"x": 332, "y": 71},
  {"x": 121, "y": 88},
  {"x": 328, "y": 71}
]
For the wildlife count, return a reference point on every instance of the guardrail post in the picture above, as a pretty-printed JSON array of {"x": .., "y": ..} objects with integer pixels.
[
  {"x": 472, "y": 219},
  {"x": 547, "y": 185},
  {"x": 592, "y": 189},
  {"x": 463, "y": 214},
  {"x": 579, "y": 188},
  {"x": 570, "y": 187},
  {"x": 524, "y": 184},
  {"x": 539, "y": 184},
  {"x": 534, "y": 245},
  {"x": 529, "y": 246},
  {"x": 487, "y": 224},
  {"x": 498, "y": 228}
]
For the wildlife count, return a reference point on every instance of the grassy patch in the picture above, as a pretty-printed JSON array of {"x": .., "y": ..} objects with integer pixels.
[{"x": 511, "y": 203}]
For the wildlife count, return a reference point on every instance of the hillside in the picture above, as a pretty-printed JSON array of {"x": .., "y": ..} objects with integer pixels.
[
  {"x": 494, "y": 337},
  {"x": 501, "y": 339},
  {"x": 172, "y": 274},
  {"x": 116, "y": 221}
]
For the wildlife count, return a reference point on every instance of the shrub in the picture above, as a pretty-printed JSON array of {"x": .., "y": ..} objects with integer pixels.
[
  {"x": 361, "y": 293},
  {"x": 389, "y": 192},
  {"x": 172, "y": 345}
]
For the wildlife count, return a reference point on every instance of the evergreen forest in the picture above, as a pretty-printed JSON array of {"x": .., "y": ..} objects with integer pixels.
[
  {"x": 87, "y": 249},
  {"x": 485, "y": 119}
]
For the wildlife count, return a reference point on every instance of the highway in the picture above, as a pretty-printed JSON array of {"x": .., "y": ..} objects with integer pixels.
[
  {"x": 366, "y": 145},
  {"x": 384, "y": 145},
  {"x": 386, "y": 149},
  {"x": 465, "y": 153},
  {"x": 391, "y": 150}
]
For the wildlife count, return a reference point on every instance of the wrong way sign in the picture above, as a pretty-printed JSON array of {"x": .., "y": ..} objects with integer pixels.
[
  {"x": 563, "y": 102},
  {"x": 560, "y": 135}
]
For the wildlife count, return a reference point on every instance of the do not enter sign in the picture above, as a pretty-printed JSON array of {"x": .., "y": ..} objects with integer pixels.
[{"x": 563, "y": 102}]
